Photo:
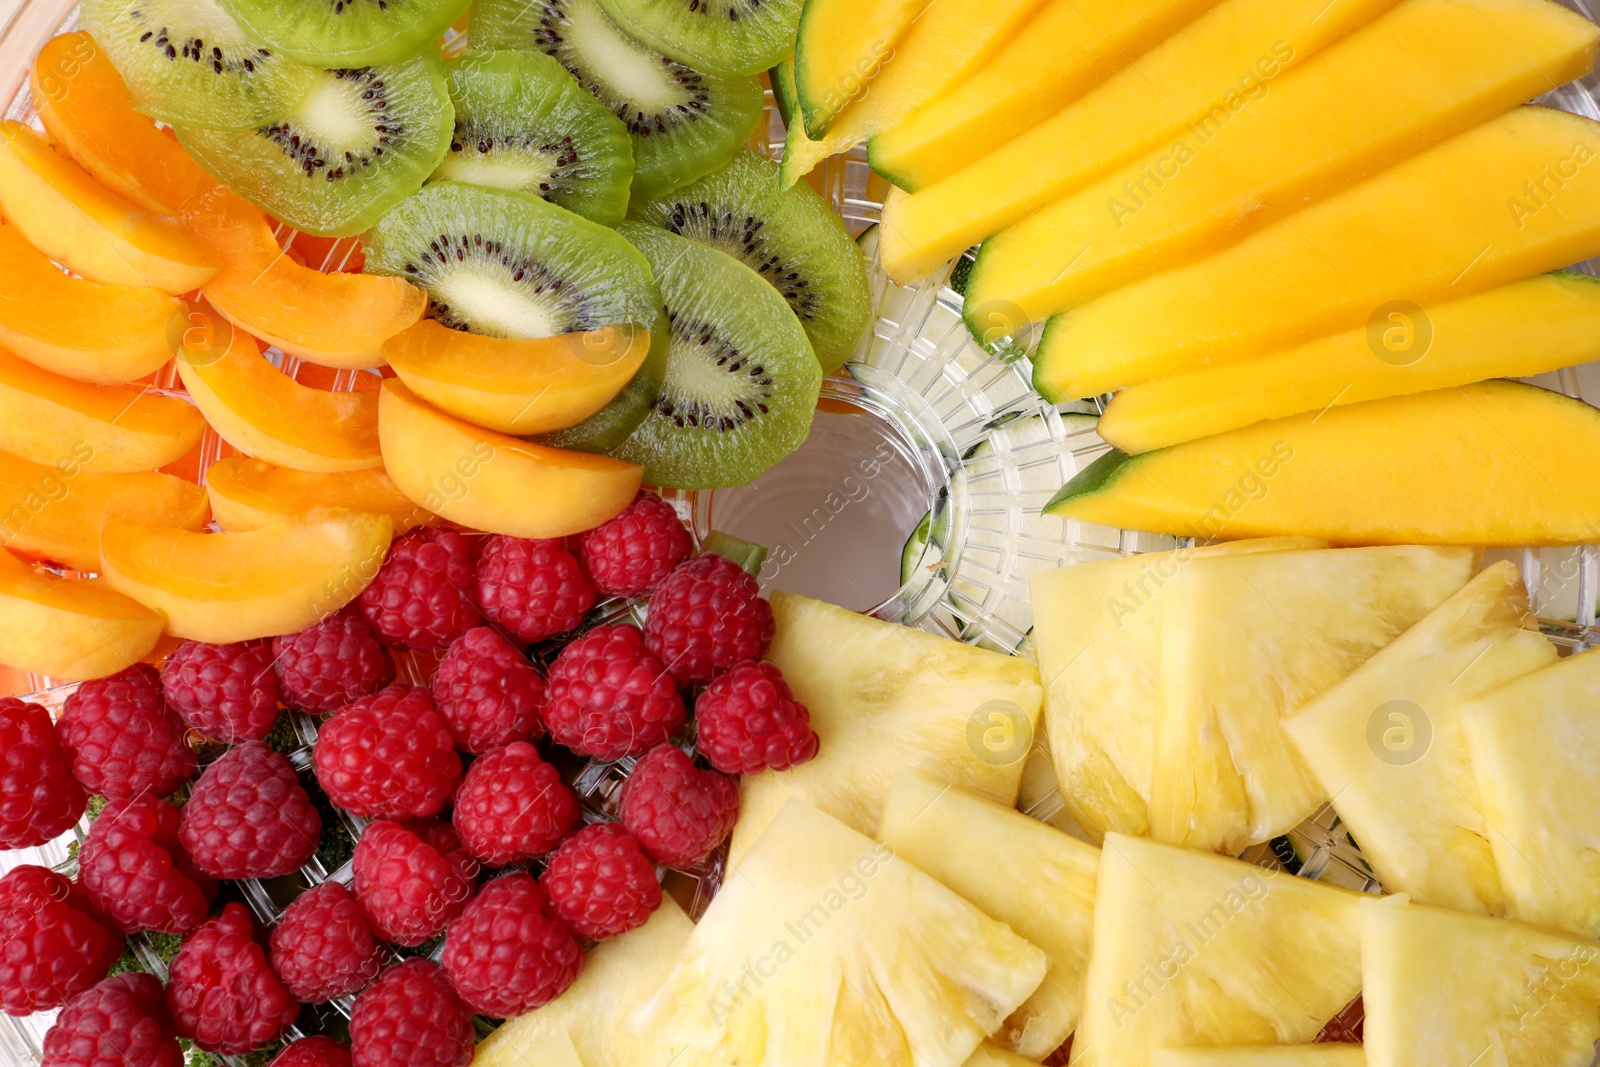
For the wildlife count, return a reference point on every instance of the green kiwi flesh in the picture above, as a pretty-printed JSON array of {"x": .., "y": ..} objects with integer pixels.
[
  {"x": 360, "y": 142},
  {"x": 788, "y": 236},
  {"x": 684, "y": 123},
  {"x": 188, "y": 61},
  {"x": 718, "y": 36},
  {"x": 523, "y": 122},
  {"x": 346, "y": 33},
  {"x": 741, "y": 383}
]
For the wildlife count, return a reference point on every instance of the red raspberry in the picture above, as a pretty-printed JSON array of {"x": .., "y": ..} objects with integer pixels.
[
  {"x": 222, "y": 994},
  {"x": 608, "y": 697},
  {"x": 411, "y": 1017},
  {"x": 631, "y": 553},
  {"x": 123, "y": 738},
  {"x": 136, "y": 873},
  {"x": 323, "y": 947},
  {"x": 388, "y": 755},
  {"x": 412, "y": 878},
  {"x": 122, "y": 1022},
  {"x": 747, "y": 721},
  {"x": 535, "y": 589},
  {"x": 335, "y": 662},
  {"x": 248, "y": 817},
  {"x": 313, "y": 1052},
  {"x": 226, "y": 692},
  {"x": 507, "y": 954},
  {"x": 512, "y": 806},
  {"x": 601, "y": 883},
  {"x": 679, "y": 812},
  {"x": 52, "y": 945},
  {"x": 422, "y": 595},
  {"x": 488, "y": 694},
  {"x": 39, "y": 798},
  {"x": 705, "y": 617}
]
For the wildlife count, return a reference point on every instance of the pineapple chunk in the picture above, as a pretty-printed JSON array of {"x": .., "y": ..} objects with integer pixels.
[
  {"x": 825, "y": 950},
  {"x": 1035, "y": 879},
  {"x": 619, "y": 978},
  {"x": 1387, "y": 743},
  {"x": 882, "y": 697},
  {"x": 1262, "y": 1056},
  {"x": 554, "y": 1049},
  {"x": 1247, "y": 640},
  {"x": 1444, "y": 989},
  {"x": 1193, "y": 949},
  {"x": 994, "y": 1056},
  {"x": 1532, "y": 745},
  {"x": 1099, "y": 669}
]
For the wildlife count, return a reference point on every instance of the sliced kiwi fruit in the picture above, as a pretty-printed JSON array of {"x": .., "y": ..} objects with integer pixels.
[
  {"x": 718, "y": 36},
  {"x": 188, "y": 61},
  {"x": 346, "y": 33},
  {"x": 684, "y": 122},
  {"x": 742, "y": 381},
  {"x": 360, "y": 142},
  {"x": 610, "y": 426},
  {"x": 788, "y": 236},
  {"x": 523, "y": 122}
]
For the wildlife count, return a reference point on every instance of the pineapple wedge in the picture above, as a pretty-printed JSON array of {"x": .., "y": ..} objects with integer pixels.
[
  {"x": 1532, "y": 745},
  {"x": 1033, "y": 878},
  {"x": 618, "y": 979},
  {"x": 1444, "y": 989},
  {"x": 555, "y": 1049},
  {"x": 1262, "y": 1056},
  {"x": 994, "y": 1056},
  {"x": 1246, "y": 640},
  {"x": 1195, "y": 949},
  {"x": 1387, "y": 743},
  {"x": 825, "y": 950},
  {"x": 882, "y": 697}
]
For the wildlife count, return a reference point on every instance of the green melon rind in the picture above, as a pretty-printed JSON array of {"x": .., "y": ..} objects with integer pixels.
[
  {"x": 1098, "y": 477},
  {"x": 399, "y": 31}
]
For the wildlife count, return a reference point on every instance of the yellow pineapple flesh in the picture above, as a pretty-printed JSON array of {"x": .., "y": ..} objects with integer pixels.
[
  {"x": 1262, "y": 1056},
  {"x": 1245, "y": 640},
  {"x": 822, "y": 949},
  {"x": 1447, "y": 989},
  {"x": 989, "y": 1055},
  {"x": 1033, "y": 878},
  {"x": 1195, "y": 949},
  {"x": 882, "y": 697},
  {"x": 1388, "y": 746},
  {"x": 1532, "y": 745}
]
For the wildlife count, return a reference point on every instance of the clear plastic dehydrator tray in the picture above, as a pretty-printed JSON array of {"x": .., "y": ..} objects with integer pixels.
[{"x": 916, "y": 498}]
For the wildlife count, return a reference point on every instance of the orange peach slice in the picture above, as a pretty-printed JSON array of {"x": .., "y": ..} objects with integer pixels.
[
  {"x": 517, "y": 386},
  {"x": 54, "y": 511},
  {"x": 266, "y": 414},
  {"x": 492, "y": 482},
  {"x": 223, "y": 587},
  {"x": 76, "y": 221},
  {"x": 338, "y": 320},
  {"x": 43, "y": 416},
  {"x": 70, "y": 629},
  {"x": 247, "y": 494}
]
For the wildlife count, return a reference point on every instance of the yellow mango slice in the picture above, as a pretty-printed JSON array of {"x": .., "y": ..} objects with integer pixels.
[
  {"x": 1206, "y": 74},
  {"x": 1515, "y": 197},
  {"x": 493, "y": 482},
  {"x": 840, "y": 46},
  {"x": 223, "y": 587},
  {"x": 1421, "y": 72},
  {"x": 1496, "y": 463},
  {"x": 247, "y": 494},
  {"x": 70, "y": 629},
  {"x": 1515, "y": 331}
]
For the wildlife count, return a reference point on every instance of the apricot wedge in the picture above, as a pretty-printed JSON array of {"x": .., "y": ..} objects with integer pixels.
[
  {"x": 517, "y": 386},
  {"x": 70, "y": 629},
  {"x": 493, "y": 482},
  {"x": 338, "y": 319},
  {"x": 248, "y": 493},
  {"x": 54, "y": 511},
  {"x": 266, "y": 414},
  {"x": 78, "y": 328},
  {"x": 222, "y": 587},
  {"x": 88, "y": 113},
  {"x": 76, "y": 221}
]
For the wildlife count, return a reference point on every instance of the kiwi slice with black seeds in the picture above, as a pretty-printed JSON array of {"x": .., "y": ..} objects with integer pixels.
[
  {"x": 741, "y": 383},
  {"x": 188, "y": 61},
  {"x": 523, "y": 122},
  {"x": 684, "y": 123},
  {"x": 719, "y": 36},
  {"x": 346, "y": 33},
  {"x": 788, "y": 236}
]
